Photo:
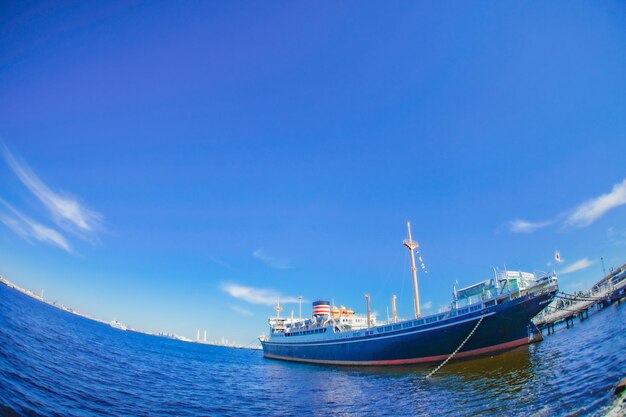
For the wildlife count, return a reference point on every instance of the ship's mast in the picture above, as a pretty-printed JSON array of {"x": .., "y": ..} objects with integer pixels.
[
  {"x": 278, "y": 308},
  {"x": 411, "y": 246},
  {"x": 367, "y": 304}
]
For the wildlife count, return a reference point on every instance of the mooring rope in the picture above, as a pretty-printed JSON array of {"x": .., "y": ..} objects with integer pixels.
[
  {"x": 457, "y": 349},
  {"x": 256, "y": 340}
]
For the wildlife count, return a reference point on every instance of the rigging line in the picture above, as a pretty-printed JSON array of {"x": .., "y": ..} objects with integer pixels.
[{"x": 457, "y": 349}]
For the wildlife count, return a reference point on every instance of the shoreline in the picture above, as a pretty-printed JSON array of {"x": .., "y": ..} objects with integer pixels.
[{"x": 70, "y": 310}]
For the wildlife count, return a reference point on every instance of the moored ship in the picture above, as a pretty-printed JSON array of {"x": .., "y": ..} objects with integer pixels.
[{"x": 489, "y": 316}]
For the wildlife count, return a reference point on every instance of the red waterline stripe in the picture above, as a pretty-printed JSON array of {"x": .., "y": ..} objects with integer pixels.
[{"x": 475, "y": 352}]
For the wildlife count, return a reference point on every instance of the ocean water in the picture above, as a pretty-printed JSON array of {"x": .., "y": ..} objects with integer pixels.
[{"x": 54, "y": 363}]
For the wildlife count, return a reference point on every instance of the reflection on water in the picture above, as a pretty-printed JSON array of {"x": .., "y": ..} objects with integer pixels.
[
  {"x": 54, "y": 363},
  {"x": 569, "y": 373},
  {"x": 514, "y": 360}
]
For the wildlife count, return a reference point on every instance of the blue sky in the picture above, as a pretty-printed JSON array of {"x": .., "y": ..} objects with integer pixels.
[{"x": 178, "y": 166}]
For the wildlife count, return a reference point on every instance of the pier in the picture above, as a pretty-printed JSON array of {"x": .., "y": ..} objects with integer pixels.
[{"x": 568, "y": 307}]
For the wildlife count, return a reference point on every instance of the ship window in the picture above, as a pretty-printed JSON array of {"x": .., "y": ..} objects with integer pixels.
[
  {"x": 396, "y": 327},
  {"x": 406, "y": 325},
  {"x": 380, "y": 330},
  {"x": 388, "y": 328}
]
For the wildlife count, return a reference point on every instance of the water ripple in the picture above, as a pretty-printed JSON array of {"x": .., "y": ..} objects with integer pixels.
[{"x": 54, "y": 363}]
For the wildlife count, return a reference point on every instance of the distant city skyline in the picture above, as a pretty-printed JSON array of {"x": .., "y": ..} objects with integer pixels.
[{"x": 181, "y": 167}]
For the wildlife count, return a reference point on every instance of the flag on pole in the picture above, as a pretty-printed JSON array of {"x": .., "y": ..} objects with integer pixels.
[{"x": 557, "y": 256}]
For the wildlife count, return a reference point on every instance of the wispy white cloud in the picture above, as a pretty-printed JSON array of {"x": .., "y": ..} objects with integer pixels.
[
  {"x": 45, "y": 234},
  {"x": 591, "y": 210},
  {"x": 15, "y": 225},
  {"x": 242, "y": 311},
  {"x": 583, "y": 215},
  {"x": 65, "y": 210},
  {"x": 270, "y": 261},
  {"x": 427, "y": 305},
  {"x": 615, "y": 236},
  {"x": 219, "y": 262},
  {"x": 27, "y": 228},
  {"x": 523, "y": 226},
  {"x": 256, "y": 295},
  {"x": 576, "y": 266},
  {"x": 443, "y": 308}
]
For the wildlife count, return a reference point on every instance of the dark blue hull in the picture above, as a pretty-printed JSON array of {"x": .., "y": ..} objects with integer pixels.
[{"x": 433, "y": 339}]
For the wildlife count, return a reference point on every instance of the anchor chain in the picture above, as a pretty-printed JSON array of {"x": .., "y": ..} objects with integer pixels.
[{"x": 457, "y": 349}]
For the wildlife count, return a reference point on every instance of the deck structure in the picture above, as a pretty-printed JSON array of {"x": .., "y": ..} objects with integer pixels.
[{"x": 567, "y": 307}]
